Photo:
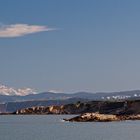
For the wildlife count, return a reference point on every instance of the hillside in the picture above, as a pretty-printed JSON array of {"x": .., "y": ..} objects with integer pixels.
[
  {"x": 102, "y": 107},
  {"x": 13, "y": 106}
]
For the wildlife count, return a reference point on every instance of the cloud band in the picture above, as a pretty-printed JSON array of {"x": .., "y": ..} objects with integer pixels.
[{"x": 17, "y": 30}]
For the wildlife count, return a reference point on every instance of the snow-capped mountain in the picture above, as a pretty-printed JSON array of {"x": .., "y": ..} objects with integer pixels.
[{"x": 4, "y": 90}]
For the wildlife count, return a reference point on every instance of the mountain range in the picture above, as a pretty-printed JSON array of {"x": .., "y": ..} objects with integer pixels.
[
  {"x": 12, "y": 99},
  {"x": 9, "y": 94},
  {"x": 10, "y": 91}
]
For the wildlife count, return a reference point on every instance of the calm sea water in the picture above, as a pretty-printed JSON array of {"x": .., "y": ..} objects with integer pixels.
[{"x": 51, "y": 127}]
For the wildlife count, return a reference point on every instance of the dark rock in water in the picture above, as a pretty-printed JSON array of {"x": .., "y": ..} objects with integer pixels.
[{"x": 96, "y": 117}]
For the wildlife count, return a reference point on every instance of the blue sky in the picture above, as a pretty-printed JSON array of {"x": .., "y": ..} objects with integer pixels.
[{"x": 92, "y": 45}]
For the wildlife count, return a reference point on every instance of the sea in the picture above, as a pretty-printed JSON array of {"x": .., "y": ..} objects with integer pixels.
[{"x": 52, "y": 127}]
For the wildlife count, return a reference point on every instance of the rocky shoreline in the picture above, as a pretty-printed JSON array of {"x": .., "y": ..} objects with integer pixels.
[
  {"x": 92, "y": 111},
  {"x": 96, "y": 117},
  {"x": 102, "y": 107}
]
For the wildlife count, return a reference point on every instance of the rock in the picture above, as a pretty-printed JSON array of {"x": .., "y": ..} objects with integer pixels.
[{"x": 96, "y": 117}]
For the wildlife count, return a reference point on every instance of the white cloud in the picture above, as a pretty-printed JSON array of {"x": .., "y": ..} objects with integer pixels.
[{"x": 17, "y": 30}]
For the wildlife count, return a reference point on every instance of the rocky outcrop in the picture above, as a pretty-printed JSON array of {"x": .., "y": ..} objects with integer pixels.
[
  {"x": 18, "y": 105},
  {"x": 96, "y": 117},
  {"x": 40, "y": 110},
  {"x": 62, "y": 109},
  {"x": 102, "y": 107}
]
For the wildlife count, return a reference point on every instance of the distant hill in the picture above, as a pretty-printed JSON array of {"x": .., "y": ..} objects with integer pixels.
[{"x": 134, "y": 94}]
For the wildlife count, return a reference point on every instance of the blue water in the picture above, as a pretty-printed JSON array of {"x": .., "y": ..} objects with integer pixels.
[{"x": 43, "y": 127}]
